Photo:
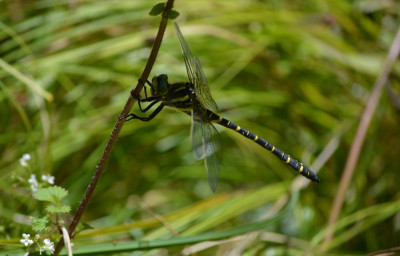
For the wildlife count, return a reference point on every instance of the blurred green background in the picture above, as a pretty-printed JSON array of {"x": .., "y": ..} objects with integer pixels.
[{"x": 297, "y": 73}]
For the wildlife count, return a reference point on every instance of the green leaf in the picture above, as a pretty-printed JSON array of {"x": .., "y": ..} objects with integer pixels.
[
  {"x": 39, "y": 224},
  {"x": 172, "y": 14},
  {"x": 51, "y": 194},
  {"x": 157, "y": 9},
  {"x": 58, "y": 209}
]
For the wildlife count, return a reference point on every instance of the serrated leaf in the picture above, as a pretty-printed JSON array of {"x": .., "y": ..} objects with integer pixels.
[
  {"x": 43, "y": 194},
  {"x": 172, "y": 14},
  {"x": 58, "y": 209},
  {"x": 157, "y": 9},
  {"x": 51, "y": 194},
  {"x": 40, "y": 224}
]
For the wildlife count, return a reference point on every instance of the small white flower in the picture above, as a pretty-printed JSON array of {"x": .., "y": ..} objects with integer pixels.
[
  {"x": 48, "y": 178},
  {"x": 23, "y": 160},
  {"x": 26, "y": 241},
  {"x": 48, "y": 245},
  {"x": 34, "y": 183}
]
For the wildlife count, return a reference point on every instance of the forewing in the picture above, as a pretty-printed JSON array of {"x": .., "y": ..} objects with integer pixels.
[
  {"x": 196, "y": 75},
  {"x": 187, "y": 56},
  {"x": 210, "y": 149},
  {"x": 201, "y": 88}
]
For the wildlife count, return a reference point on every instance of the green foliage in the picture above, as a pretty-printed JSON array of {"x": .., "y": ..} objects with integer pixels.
[
  {"x": 52, "y": 194},
  {"x": 58, "y": 209},
  {"x": 297, "y": 73},
  {"x": 40, "y": 224},
  {"x": 172, "y": 14},
  {"x": 157, "y": 9}
]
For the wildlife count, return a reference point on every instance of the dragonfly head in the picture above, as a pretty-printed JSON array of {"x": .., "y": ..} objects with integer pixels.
[{"x": 160, "y": 85}]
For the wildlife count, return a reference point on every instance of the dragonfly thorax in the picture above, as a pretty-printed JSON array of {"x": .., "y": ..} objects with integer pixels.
[{"x": 160, "y": 85}]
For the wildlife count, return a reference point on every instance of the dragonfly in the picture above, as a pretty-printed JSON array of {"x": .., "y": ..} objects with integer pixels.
[{"x": 194, "y": 98}]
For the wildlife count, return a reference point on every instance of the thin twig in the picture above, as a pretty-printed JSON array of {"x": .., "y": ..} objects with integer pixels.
[
  {"x": 118, "y": 126},
  {"x": 361, "y": 132},
  {"x": 384, "y": 252}
]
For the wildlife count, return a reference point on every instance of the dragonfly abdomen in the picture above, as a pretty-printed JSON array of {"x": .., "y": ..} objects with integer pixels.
[{"x": 296, "y": 165}]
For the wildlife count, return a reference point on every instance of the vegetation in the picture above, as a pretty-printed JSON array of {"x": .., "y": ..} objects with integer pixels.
[{"x": 300, "y": 74}]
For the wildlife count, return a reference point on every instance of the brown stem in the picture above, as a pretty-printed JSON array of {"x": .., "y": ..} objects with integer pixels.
[
  {"x": 384, "y": 252},
  {"x": 118, "y": 126},
  {"x": 361, "y": 132}
]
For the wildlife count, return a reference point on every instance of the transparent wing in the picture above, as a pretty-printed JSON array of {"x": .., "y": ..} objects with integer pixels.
[
  {"x": 196, "y": 135},
  {"x": 203, "y": 133},
  {"x": 204, "y": 145},
  {"x": 210, "y": 149},
  {"x": 202, "y": 90},
  {"x": 187, "y": 56},
  {"x": 196, "y": 75}
]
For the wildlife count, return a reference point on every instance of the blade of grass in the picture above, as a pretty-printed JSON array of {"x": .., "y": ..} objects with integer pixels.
[{"x": 358, "y": 142}]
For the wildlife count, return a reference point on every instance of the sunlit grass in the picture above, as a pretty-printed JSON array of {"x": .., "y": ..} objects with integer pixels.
[{"x": 296, "y": 73}]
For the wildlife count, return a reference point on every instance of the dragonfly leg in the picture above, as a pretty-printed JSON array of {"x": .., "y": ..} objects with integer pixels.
[
  {"x": 145, "y": 119},
  {"x": 145, "y": 88},
  {"x": 148, "y": 107},
  {"x": 147, "y": 99},
  {"x": 153, "y": 99}
]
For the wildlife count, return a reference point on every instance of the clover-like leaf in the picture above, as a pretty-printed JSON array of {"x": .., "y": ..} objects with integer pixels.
[
  {"x": 172, "y": 14},
  {"x": 157, "y": 9}
]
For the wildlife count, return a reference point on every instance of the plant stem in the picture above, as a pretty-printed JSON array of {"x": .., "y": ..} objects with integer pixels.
[{"x": 118, "y": 126}]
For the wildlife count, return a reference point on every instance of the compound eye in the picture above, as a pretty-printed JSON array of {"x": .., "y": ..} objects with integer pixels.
[{"x": 162, "y": 84}]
